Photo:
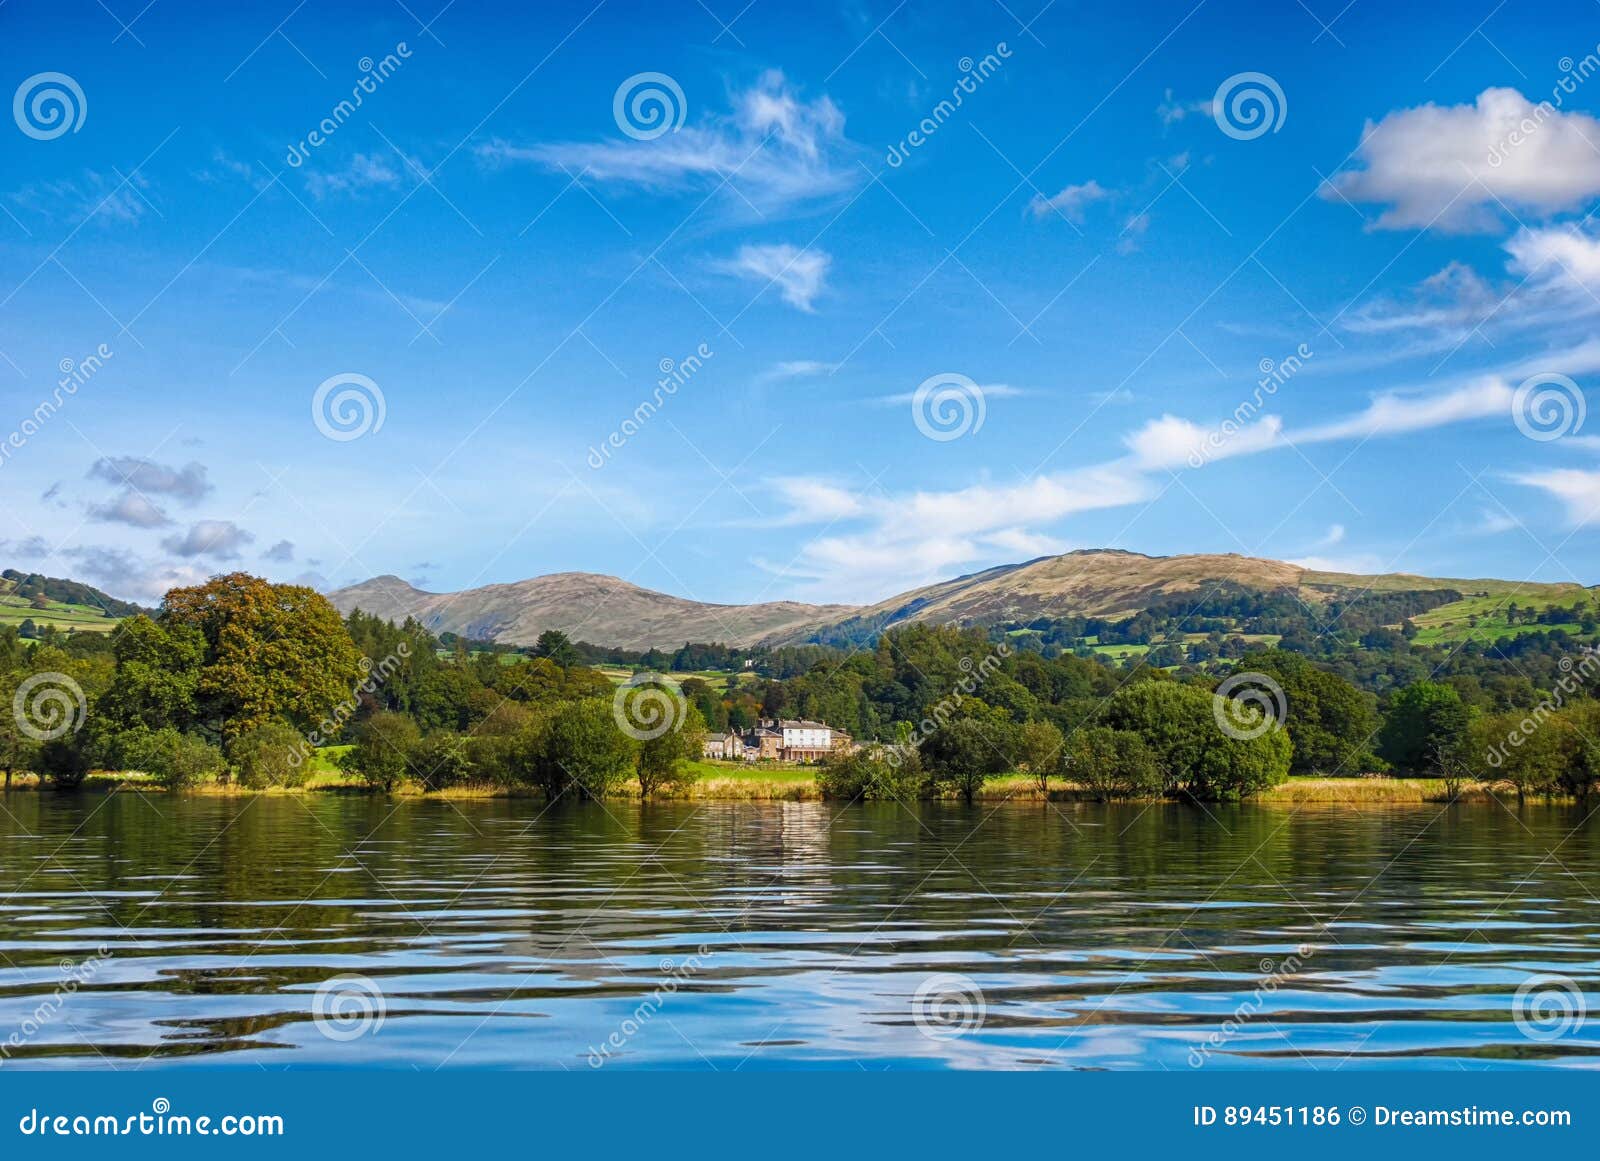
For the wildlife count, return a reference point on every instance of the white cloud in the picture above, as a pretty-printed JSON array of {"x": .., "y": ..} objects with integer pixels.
[
  {"x": 1394, "y": 414},
  {"x": 1577, "y": 489},
  {"x": 774, "y": 150},
  {"x": 1171, "y": 442},
  {"x": 798, "y": 369},
  {"x": 281, "y": 552},
  {"x": 1448, "y": 166},
  {"x": 1132, "y": 230},
  {"x": 1360, "y": 563},
  {"x": 1071, "y": 202},
  {"x": 220, "y": 539},
  {"x": 798, "y": 274},
  {"x": 131, "y": 508},
  {"x": 989, "y": 391},
  {"x": 364, "y": 171}
]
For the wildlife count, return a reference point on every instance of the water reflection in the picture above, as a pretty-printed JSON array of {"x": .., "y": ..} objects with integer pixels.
[{"x": 773, "y": 935}]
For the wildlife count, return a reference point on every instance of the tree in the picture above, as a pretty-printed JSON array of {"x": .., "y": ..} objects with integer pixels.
[
  {"x": 271, "y": 651},
  {"x": 663, "y": 760},
  {"x": 966, "y": 753},
  {"x": 874, "y": 773},
  {"x": 1425, "y": 728},
  {"x": 1111, "y": 764},
  {"x": 157, "y": 676},
  {"x": 554, "y": 645},
  {"x": 1197, "y": 757},
  {"x": 1039, "y": 752},
  {"x": 382, "y": 751},
  {"x": 582, "y": 752},
  {"x": 176, "y": 760},
  {"x": 274, "y": 754},
  {"x": 1532, "y": 752},
  {"x": 1331, "y": 722},
  {"x": 443, "y": 759}
]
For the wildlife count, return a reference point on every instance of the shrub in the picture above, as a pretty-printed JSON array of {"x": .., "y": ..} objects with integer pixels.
[
  {"x": 271, "y": 755},
  {"x": 874, "y": 773},
  {"x": 442, "y": 759},
  {"x": 1111, "y": 764},
  {"x": 174, "y": 759},
  {"x": 382, "y": 752}
]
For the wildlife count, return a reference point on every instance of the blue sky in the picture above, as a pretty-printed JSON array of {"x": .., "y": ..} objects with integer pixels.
[{"x": 1088, "y": 250}]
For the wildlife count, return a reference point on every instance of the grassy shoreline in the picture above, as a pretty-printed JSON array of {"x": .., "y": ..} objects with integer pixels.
[{"x": 728, "y": 783}]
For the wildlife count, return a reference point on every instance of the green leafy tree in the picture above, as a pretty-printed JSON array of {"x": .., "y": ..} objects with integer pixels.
[
  {"x": 1332, "y": 723},
  {"x": 382, "y": 752},
  {"x": 582, "y": 752},
  {"x": 1532, "y": 752},
  {"x": 1198, "y": 758},
  {"x": 874, "y": 773},
  {"x": 174, "y": 759},
  {"x": 274, "y": 754},
  {"x": 667, "y": 760},
  {"x": 1425, "y": 728},
  {"x": 1039, "y": 752},
  {"x": 443, "y": 759},
  {"x": 555, "y": 646},
  {"x": 271, "y": 651},
  {"x": 966, "y": 753},
  {"x": 1111, "y": 764}
]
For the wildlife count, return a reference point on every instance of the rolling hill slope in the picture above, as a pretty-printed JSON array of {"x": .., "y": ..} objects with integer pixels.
[{"x": 1103, "y": 583}]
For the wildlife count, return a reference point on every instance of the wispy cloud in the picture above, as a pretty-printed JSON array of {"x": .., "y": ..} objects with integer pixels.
[
  {"x": 798, "y": 274},
  {"x": 220, "y": 539},
  {"x": 1071, "y": 202},
  {"x": 187, "y": 484},
  {"x": 774, "y": 151}
]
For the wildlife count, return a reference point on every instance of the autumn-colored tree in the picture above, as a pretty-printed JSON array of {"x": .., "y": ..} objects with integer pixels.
[{"x": 271, "y": 651}]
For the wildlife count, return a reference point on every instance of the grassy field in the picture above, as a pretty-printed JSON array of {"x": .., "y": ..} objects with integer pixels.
[
  {"x": 1453, "y": 622},
  {"x": 15, "y": 610}
]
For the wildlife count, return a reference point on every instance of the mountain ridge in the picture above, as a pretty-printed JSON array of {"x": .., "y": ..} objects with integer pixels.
[{"x": 1111, "y": 583}]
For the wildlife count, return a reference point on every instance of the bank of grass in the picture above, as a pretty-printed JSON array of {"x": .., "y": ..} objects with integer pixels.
[{"x": 775, "y": 782}]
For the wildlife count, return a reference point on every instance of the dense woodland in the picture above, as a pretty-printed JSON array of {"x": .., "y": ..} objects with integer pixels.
[{"x": 240, "y": 680}]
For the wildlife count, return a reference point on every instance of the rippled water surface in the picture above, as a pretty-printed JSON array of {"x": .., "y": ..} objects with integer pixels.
[{"x": 793, "y": 934}]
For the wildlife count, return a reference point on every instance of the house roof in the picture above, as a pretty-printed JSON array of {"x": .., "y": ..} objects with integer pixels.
[{"x": 805, "y": 725}]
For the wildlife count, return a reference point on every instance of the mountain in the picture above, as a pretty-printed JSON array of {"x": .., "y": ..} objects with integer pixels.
[
  {"x": 586, "y": 607},
  {"x": 1100, "y": 583}
]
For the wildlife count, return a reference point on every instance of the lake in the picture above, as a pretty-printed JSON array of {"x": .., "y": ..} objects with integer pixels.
[{"x": 346, "y": 930}]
